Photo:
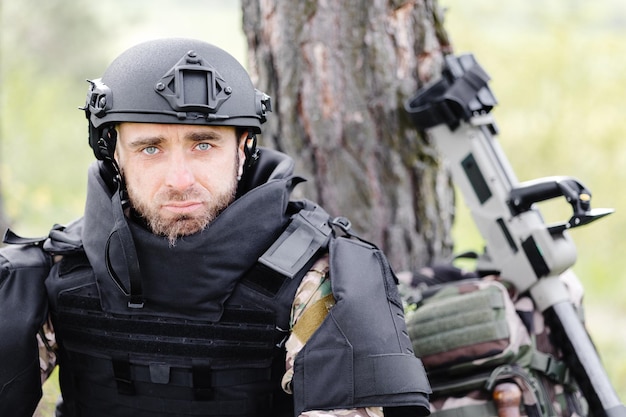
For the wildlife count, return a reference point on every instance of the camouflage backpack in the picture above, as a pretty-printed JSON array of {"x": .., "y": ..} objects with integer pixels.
[{"x": 473, "y": 334}]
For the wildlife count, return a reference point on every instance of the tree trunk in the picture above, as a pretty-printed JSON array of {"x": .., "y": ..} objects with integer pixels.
[{"x": 339, "y": 73}]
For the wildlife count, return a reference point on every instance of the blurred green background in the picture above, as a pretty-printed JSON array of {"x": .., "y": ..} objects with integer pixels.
[{"x": 558, "y": 70}]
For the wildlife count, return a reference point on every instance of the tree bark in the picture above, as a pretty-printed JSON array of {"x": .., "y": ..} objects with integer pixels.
[{"x": 339, "y": 73}]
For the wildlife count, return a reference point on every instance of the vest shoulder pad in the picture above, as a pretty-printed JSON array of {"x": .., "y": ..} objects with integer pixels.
[{"x": 361, "y": 355}]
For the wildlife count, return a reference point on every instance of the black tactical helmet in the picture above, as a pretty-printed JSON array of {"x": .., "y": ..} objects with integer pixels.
[{"x": 182, "y": 81}]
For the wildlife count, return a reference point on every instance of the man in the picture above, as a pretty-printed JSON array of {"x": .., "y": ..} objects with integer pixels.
[{"x": 192, "y": 285}]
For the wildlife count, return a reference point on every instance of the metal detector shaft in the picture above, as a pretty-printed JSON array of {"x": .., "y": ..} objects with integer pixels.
[
  {"x": 520, "y": 247},
  {"x": 583, "y": 361}
]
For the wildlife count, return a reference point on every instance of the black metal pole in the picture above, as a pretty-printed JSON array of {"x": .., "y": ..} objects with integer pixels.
[{"x": 582, "y": 358}]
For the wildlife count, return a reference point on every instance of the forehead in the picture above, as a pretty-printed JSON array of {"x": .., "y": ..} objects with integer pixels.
[{"x": 130, "y": 131}]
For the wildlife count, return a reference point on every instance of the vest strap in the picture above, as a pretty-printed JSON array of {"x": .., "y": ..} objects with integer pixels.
[
  {"x": 123, "y": 377},
  {"x": 307, "y": 233},
  {"x": 202, "y": 386},
  {"x": 11, "y": 238},
  {"x": 129, "y": 251}
]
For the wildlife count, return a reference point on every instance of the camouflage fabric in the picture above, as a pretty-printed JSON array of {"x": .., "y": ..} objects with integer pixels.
[
  {"x": 47, "y": 350},
  {"x": 467, "y": 326},
  {"x": 359, "y": 412},
  {"x": 312, "y": 302},
  {"x": 463, "y": 377},
  {"x": 562, "y": 393},
  {"x": 314, "y": 286}
]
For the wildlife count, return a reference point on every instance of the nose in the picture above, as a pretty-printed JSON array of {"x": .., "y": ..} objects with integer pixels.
[{"x": 179, "y": 174}]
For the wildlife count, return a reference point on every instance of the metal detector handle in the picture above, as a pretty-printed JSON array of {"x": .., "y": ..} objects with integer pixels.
[
  {"x": 575, "y": 193},
  {"x": 529, "y": 193}
]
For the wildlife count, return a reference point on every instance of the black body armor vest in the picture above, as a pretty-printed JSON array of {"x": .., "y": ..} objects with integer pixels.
[
  {"x": 145, "y": 329},
  {"x": 152, "y": 365},
  {"x": 206, "y": 339}
]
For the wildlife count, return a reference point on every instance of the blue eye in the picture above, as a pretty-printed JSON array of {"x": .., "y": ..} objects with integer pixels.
[
  {"x": 203, "y": 146},
  {"x": 150, "y": 150}
]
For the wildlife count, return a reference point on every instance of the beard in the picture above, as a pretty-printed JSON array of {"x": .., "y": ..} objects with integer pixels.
[{"x": 176, "y": 226}]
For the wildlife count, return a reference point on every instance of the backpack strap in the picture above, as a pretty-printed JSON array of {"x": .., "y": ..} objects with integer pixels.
[{"x": 551, "y": 367}]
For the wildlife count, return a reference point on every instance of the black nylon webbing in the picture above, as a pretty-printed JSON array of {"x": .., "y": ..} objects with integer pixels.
[
  {"x": 157, "y": 346},
  {"x": 121, "y": 229},
  {"x": 123, "y": 377},
  {"x": 172, "y": 329}
]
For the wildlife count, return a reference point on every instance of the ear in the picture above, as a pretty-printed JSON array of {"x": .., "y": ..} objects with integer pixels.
[
  {"x": 114, "y": 134},
  {"x": 242, "y": 154}
]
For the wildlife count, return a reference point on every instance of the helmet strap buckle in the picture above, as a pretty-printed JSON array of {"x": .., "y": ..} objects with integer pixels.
[{"x": 250, "y": 150}]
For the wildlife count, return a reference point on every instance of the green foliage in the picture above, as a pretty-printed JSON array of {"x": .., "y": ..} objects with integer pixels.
[
  {"x": 43, "y": 134},
  {"x": 48, "y": 36},
  {"x": 38, "y": 184},
  {"x": 557, "y": 70},
  {"x": 48, "y": 51}
]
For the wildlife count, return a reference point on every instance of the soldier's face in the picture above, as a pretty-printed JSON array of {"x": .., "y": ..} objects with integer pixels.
[{"x": 179, "y": 177}]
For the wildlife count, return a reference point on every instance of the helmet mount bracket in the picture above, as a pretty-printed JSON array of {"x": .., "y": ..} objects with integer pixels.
[{"x": 192, "y": 84}]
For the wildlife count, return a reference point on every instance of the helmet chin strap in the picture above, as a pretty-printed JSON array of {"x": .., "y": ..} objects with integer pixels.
[
  {"x": 251, "y": 151},
  {"x": 106, "y": 149}
]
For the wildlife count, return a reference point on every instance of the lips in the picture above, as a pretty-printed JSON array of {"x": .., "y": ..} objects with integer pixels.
[{"x": 183, "y": 207}]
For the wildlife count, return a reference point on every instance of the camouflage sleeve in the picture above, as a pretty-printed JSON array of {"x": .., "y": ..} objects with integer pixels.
[
  {"x": 46, "y": 341},
  {"x": 311, "y": 304},
  {"x": 357, "y": 412}
]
